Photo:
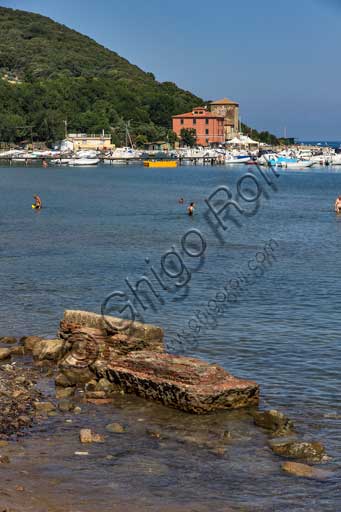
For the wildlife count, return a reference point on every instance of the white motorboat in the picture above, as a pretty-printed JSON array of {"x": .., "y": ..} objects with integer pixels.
[
  {"x": 236, "y": 159},
  {"x": 84, "y": 162},
  {"x": 61, "y": 161},
  {"x": 299, "y": 164},
  {"x": 335, "y": 159}
]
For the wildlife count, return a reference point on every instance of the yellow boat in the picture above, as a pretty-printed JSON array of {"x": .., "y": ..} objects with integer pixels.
[{"x": 160, "y": 163}]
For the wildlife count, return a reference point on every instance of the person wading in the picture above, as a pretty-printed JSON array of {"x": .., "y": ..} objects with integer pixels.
[
  {"x": 338, "y": 205},
  {"x": 190, "y": 209}
]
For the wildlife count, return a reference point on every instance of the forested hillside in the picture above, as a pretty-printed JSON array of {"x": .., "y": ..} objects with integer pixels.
[{"x": 50, "y": 73}]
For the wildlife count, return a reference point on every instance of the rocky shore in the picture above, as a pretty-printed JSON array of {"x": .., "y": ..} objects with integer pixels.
[{"x": 90, "y": 363}]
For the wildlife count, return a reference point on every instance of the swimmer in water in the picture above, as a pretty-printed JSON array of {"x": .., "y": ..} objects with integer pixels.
[
  {"x": 190, "y": 209},
  {"x": 38, "y": 204},
  {"x": 338, "y": 205},
  {"x": 181, "y": 200}
]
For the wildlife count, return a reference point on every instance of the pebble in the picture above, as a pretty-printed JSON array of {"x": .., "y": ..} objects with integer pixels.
[
  {"x": 87, "y": 436},
  {"x": 81, "y": 453}
]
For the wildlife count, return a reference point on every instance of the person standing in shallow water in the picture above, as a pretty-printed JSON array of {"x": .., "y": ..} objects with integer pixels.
[
  {"x": 338, "y": 205},
  {"x": 190, "y": 209}
]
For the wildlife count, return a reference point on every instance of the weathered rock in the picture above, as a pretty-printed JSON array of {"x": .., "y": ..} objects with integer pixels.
[
  {"x": 99, "y": 401},
  {"x": 305, "y": 471},
  {"x": 116, "y": 428},
  {"x": 73, "y": 371},
  {"x": 148, "y": 337},
  {"x": 104, "y": 385},
  {"x": 185, "y": 383},
  {"x": 64, "y": 392},
  {"x": 66, "y": 405},
  {"x": 5, "y": 353},
  {"x": 48, "y": 349},
  {"x": 96, "y": 394},
  {"x": 275, "y": 421},
  {"x": 30, "y": 341},
  {"x": 4, "y": 459},
  {"x": 19, "y": 350},
  {"x": 44, "y": 407},
  {"x": 9, "y": 340},
  {"x": 310, "y": 451},
  {"x": 87, "y": 436},
  {"x": 62, "y": 381}
]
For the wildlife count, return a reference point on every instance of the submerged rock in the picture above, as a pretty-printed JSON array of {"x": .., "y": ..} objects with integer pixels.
[
  {"x": 181, "y": 382},
  {"x": 116, "y": 428},
  {"x": 313, "y": 451},
  {"x": 44, "y": 407},
  {"x": 275, "y": 421},
  {"x": 65, "y": 392},
  {"x": 66, "y": 405},
  {"x": 62, "y": 381},
  {"x": 305, "y": 471}
]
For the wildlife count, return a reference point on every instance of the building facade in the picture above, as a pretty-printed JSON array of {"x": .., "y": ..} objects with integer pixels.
[
  {"x": 208, "y": 126},
  {"x": 91, "y": 142},
  {"x": 230, "y": 111}
]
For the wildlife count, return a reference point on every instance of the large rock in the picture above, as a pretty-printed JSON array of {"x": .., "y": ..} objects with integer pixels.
[
  {"x": 313, "y": 451},
  {"x": 48, "y": 349},
  {"x": 185, "y": 383},
  {"x": 140, "y": 336}
]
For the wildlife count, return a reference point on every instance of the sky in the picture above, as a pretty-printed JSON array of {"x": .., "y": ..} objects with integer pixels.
[{"x": 280, "y": 60}]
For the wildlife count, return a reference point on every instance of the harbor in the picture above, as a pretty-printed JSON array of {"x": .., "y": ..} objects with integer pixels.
[{"x": 298, "y": 156}]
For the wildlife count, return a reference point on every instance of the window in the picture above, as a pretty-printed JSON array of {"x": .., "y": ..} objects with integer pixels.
[
  {"x": 194, "y": 121},
  {"x": 206, "y": 132},
  {"x": 181, "y": 121},
  {"x": 206, "y": 121},
  {"x": 206, "y": 141}
]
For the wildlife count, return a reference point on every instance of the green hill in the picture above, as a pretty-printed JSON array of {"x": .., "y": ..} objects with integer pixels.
[{"x": 50, "y": 73}]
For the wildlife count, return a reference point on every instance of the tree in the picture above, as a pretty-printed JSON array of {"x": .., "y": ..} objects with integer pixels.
[
  {"x": 172, "y": 137},
  {"x": 188, "y": 136},
  {"x": 141, "y": 140}
]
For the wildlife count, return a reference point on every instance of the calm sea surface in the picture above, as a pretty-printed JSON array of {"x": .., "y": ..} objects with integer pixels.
[{"x": 97, "y": 228}]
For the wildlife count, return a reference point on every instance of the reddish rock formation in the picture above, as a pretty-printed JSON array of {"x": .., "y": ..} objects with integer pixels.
[
  {"x": 185, "y": 383},
  {"x": 136, "y": 363}
]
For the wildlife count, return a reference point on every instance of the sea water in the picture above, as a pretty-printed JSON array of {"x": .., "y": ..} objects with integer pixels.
[{"x": 97, "y": 228}]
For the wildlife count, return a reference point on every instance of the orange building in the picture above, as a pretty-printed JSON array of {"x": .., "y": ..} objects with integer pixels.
[{"x": 209, "y": 127}]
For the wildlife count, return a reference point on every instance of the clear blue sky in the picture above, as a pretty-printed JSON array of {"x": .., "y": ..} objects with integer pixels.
[{"x": 280, "y": 60}]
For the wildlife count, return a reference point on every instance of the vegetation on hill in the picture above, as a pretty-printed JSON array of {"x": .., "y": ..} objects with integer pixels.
[{"x": 52, "y": 74}]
